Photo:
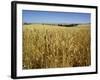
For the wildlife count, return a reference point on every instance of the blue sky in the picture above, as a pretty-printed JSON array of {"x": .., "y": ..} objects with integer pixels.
[{"x": 30, "y": 16}]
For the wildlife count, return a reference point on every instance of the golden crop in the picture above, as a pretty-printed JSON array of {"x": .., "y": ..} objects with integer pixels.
[{"x": 47, "y": 46}]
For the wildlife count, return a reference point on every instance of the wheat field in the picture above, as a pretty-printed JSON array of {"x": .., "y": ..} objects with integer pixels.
[{"x": 47, "y": 46}]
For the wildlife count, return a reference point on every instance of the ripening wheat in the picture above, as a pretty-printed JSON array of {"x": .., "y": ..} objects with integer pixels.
[{"x": 47, "y": 46}]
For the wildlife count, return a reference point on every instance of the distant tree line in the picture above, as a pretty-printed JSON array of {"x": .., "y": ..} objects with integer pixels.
[
  {"x": 68, "y": 25},
  {"x": 27, "y": 23},
  {"x": 64, "y": 25}
]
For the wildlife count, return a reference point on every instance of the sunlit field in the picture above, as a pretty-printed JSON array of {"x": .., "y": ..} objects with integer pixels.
[{"x": 50, "y": 46}]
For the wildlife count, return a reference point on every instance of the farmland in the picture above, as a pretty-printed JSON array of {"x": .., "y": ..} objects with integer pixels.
[{"x": 52, "y": 46}]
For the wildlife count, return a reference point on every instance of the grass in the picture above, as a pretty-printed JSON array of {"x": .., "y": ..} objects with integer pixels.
[{"x": 46, "y": 46}]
